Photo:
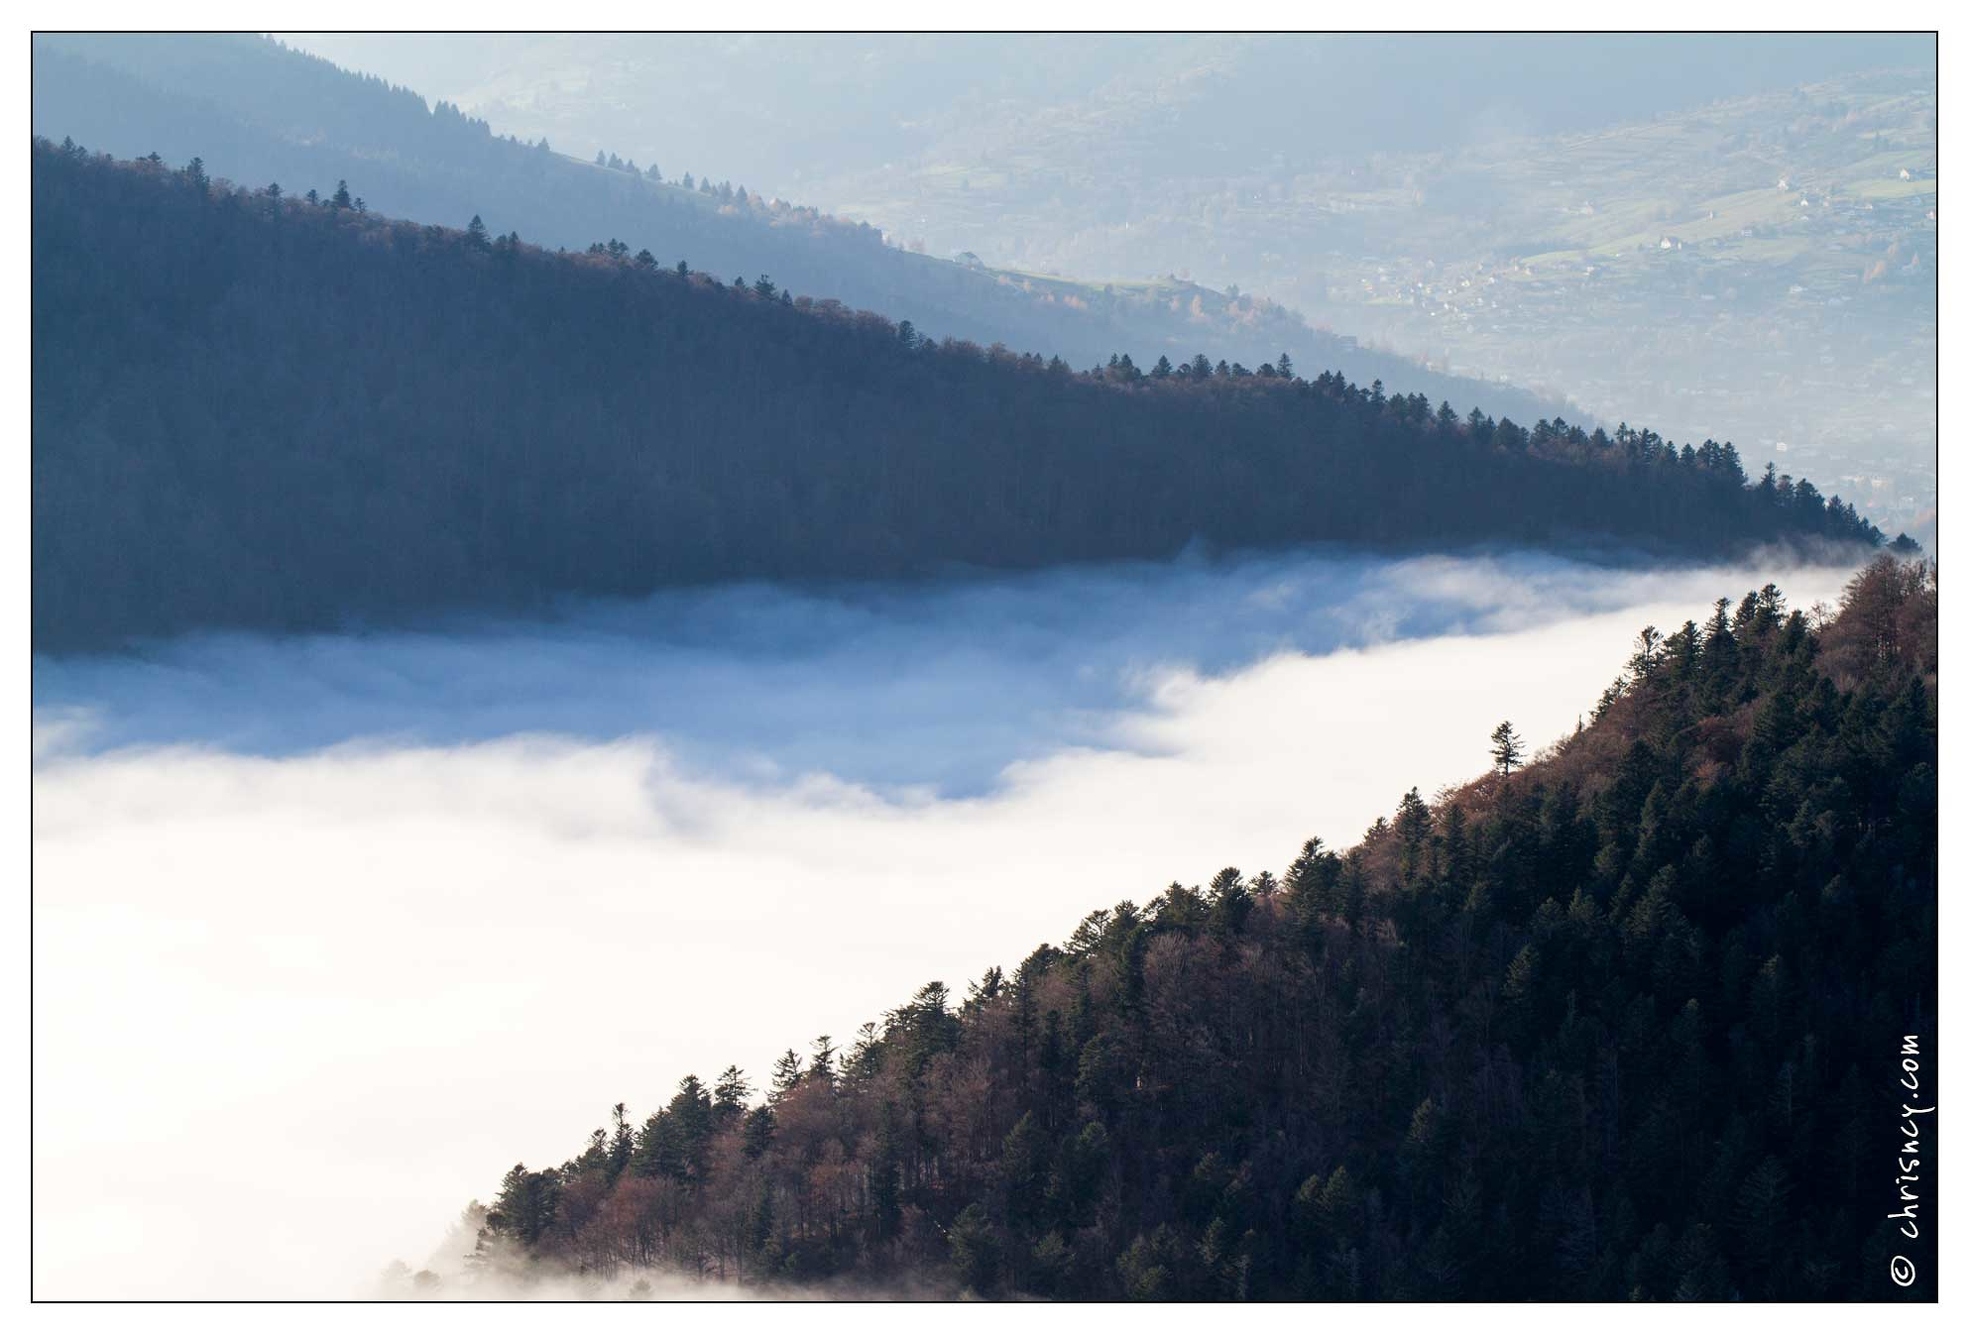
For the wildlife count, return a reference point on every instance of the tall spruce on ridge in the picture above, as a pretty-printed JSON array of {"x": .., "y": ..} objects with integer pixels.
[
  {"x": 1505, "y": 749},
  {"x": 1624, "y": 1026},
  {"x": 255, "y": 410}
]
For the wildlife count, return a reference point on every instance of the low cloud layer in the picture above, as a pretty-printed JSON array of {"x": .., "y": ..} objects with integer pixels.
[
  {"x": 888, "y": 686},
  {"x": 329, "y": 932}
]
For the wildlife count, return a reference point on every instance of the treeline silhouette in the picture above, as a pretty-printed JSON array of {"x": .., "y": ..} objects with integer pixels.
[
  {"x": 1624, "y": 1023},
  {"x": 261, "y": 411},
  {"x": 257, "y": 111}
]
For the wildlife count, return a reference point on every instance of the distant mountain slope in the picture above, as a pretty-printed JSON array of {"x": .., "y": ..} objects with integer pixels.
[
  {"x": 795, "y": 111},
  {"x": 1612, "y": 1025},
  {"x": 259, "y": 113},
  {"x": 1797, "y": 216},
  {"x": 1493, "y": 202},
  {"x": 261, "y": 411},
  {"x": 1699, "y": 268}
]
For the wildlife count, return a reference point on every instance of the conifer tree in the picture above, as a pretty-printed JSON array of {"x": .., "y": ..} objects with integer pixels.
[{"x": 1505, "y": 750}]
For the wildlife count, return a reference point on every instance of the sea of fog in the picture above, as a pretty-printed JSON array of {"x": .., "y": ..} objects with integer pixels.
[{"x": 330, "y": 931}]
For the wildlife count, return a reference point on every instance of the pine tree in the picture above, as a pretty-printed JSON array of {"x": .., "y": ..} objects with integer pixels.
[
  {"x": 1505, "y": 751},
  {"x": 786, "y": 1074},
  {"x": 821, "y": 1068},
  {"x": 731, "y": 1093}
]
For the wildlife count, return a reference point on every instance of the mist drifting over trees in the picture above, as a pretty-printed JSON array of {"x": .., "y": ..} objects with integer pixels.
[
  {"x": 1592, "y": 1029},
  {"x": 531, "y": 641}
]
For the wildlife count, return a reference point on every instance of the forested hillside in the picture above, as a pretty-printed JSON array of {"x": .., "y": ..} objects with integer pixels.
[
  {"x": 253, "y": 409},
  {"x": 1390, "y": 185},
  {"x": 257, "y": 112},
  {"x": 1622, "y": 1022}
]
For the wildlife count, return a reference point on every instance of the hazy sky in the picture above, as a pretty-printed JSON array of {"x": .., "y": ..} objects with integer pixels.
[
  {"x": 295, "y": 1007},
  {"x": 776, "y": 110}
]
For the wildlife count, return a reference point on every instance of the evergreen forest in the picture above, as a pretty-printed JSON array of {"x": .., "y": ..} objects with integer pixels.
[
  {"x": 266, "y": 410},
  {"x": 1623, "y": 1019}
]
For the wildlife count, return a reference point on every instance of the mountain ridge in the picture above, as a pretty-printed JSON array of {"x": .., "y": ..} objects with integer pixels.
[
  {"x": 255, "y": 111},
  {"x": 413, "y": 418}
]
